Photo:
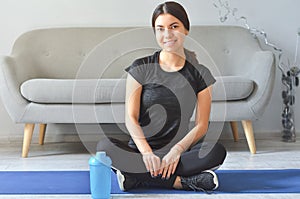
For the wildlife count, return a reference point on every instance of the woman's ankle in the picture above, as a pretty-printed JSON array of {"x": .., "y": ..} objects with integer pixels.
[{"x": 177, "y": 184}]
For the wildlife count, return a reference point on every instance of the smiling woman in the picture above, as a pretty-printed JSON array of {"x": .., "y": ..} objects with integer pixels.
[
  {"x": 171, "y": 25},
  {"x": 162, "y": 91}
]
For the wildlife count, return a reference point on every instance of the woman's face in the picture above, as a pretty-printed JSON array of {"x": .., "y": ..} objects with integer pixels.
[{"x": 170, "y": 33}]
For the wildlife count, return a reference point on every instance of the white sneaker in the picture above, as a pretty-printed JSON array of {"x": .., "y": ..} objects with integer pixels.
[{"x": 121, "y": 180}]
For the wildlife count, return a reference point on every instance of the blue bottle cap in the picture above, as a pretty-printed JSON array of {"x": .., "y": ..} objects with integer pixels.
[{"x": 100, "y": 158}]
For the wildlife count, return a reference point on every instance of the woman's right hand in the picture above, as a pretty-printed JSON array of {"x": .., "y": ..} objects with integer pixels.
[{"x": 152, "y": 163}]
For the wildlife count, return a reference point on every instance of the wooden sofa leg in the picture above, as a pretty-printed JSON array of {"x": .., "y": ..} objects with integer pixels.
[
  {"x": 28, "y": 131},
  {"x": 42, "y": 133},
  {"x": 247, "y": 125},
  {"x": 235, "y": 132}
]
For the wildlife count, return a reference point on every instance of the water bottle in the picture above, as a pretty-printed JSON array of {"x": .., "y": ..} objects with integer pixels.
[{"x": 100, "y": 176}]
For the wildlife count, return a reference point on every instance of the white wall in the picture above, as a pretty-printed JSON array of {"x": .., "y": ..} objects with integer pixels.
[{"x": 280, "y": 19}]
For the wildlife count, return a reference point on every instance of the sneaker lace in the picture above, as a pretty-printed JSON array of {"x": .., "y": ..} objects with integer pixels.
[{"x": 193, "y": 183}]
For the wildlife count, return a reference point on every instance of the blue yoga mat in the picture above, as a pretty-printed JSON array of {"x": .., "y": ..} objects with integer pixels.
[{"x": 77, "y": 182}]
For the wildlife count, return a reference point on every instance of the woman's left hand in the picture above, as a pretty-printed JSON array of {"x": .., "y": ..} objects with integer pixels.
[{"x": 170, "y": 161}]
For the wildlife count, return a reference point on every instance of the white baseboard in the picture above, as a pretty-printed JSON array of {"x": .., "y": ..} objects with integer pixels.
[
  {"x": 49, "y": 138},
  {"x": 54, "y": 138}
]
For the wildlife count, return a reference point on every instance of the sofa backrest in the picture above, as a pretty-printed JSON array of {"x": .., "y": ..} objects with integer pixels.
[
  {"x": 230, "y": 47},
  {"x": 60, "y": 52}
]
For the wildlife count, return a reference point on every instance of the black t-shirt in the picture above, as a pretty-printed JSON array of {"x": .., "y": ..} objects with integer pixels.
[{"x": 168, "y": 99}]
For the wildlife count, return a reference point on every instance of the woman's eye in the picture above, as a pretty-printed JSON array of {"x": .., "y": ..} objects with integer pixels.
[
  {"x": 174, "y": 27},
  {"x": 159, "y": 29}
]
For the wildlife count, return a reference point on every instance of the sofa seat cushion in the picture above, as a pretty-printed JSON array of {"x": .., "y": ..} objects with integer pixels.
[
  {"x": 56, "y": 91},
  {"x": 230, "y": 88},
  {"x": 77, "y": 91}
]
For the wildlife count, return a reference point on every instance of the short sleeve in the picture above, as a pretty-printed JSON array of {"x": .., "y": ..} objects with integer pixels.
[
  {"x": 138, "y": 71},
  {"x": 205, "y": 78}
]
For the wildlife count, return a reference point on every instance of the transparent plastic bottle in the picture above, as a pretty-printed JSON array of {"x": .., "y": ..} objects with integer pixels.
[{"x": 100, "y": 176}]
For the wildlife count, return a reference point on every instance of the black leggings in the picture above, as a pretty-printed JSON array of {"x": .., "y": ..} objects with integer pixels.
[{"x": 200, "y": 157}]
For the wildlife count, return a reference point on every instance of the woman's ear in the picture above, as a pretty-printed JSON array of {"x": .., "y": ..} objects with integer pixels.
[{"x": 186, "y": 32}]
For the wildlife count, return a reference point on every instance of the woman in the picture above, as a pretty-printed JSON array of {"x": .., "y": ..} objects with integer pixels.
[{"x": 162, "y": 91}]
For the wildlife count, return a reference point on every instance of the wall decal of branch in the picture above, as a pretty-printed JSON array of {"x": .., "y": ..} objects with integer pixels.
[{"x": 289, "y": 72}]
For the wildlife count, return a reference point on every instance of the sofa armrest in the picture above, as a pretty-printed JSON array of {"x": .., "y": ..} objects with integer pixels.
[
  {"x": 12, "y": 99},
  {"x": 263, "y": 73}
]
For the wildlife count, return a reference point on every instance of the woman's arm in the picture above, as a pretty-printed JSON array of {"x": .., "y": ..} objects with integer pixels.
[
  {"x": 203, "y": 107},
  {"x": 132, "y": 110}
]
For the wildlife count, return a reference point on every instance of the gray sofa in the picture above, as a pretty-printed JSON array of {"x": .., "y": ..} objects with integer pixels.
[{"x": 76, "y": 75}]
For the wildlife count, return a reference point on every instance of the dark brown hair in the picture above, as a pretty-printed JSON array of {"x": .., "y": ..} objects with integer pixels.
[{"x": 174, "y": 9}]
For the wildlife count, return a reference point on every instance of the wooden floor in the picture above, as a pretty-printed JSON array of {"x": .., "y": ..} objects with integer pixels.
[{"x": 271, "y": 154}]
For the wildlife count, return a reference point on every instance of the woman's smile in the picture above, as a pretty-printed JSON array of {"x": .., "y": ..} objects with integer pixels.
[{"x": 170, "y": 43}]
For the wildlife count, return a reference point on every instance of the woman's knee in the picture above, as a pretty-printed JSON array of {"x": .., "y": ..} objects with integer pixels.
[
  {"x": 215, "y": 152},
  {"x": 220, "y": 152}
]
